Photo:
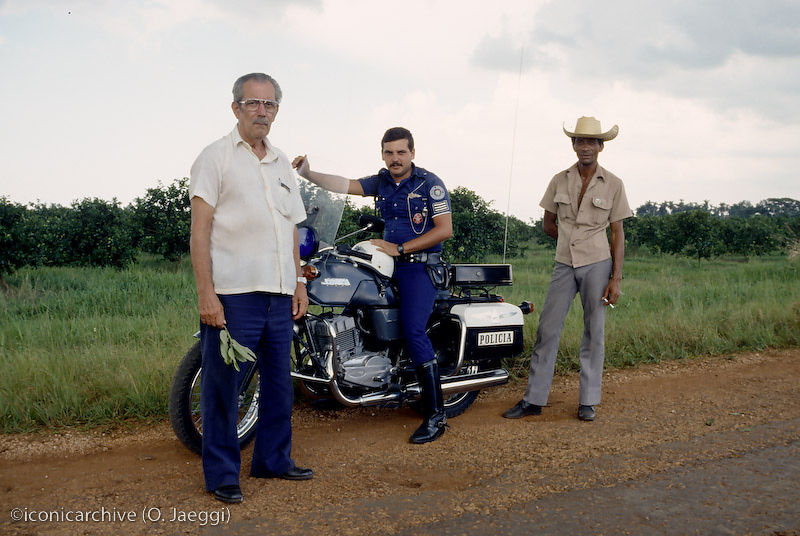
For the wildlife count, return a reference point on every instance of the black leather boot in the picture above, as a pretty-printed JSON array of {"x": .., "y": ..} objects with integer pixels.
[{"x": 435, "y": 420}]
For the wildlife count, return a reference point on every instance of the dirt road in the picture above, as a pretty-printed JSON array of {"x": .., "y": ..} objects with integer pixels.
[{"x": 707, "y": 446}]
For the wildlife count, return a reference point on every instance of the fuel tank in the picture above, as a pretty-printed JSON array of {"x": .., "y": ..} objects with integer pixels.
[{"x": 343, "y": 282}]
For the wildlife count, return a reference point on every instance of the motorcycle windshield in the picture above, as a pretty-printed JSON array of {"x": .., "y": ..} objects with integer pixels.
[{"x": 323, "y": 211}]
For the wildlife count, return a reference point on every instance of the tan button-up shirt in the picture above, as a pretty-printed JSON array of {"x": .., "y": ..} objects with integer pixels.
[{"x": 581, "y": 229}]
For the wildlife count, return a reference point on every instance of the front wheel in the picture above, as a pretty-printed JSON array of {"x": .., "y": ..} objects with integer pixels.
[{"x": 184, "y": 403}]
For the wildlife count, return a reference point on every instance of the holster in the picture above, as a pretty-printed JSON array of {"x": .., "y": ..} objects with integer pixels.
[{"x": 439, "y": 272}]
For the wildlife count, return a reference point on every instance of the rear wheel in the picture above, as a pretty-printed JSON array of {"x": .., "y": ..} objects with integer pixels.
[
  {"x": 184, "y": 402},
  {"x": 458, "y": 403},
  {"x": 445, "y": 336}
]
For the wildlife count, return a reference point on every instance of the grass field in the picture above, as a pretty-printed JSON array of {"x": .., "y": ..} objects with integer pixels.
[{"x": 88, "y": 346}]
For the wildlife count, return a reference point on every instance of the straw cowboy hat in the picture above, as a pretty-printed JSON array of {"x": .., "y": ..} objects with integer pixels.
[{"x": 589, "y": 127}]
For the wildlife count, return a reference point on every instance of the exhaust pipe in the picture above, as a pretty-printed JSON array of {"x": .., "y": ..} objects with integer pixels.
[
  {"x": 450, "y": 385},
  {"x": 473, "y": 382},
  {"x": 367, "y": 400}
]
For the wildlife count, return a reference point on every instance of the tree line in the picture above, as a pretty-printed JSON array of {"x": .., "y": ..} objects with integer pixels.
[
  {"x": 94, "y": 232},
  {"x": 703, "y": 230}
]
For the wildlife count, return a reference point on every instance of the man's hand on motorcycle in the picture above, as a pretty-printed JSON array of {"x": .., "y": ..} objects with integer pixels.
[
  {"x": 384, "y": 246},
  {"x": 211, "y": 311},
  {"x": 299, "y": 302}
]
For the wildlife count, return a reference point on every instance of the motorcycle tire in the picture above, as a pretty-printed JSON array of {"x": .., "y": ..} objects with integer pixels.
[
  {"x": 184, "y": 404},
  {"x": 453, "y": 406}
]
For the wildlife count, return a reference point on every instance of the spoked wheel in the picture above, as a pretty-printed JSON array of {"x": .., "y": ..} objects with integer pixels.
[
  {"x": 458, "y": 403},
  {"x": 184, "y": 402},
  {"x": 302, "y": 351}
]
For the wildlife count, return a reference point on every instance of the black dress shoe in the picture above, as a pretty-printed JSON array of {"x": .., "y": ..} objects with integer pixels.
[
  {"x": 297, "y": 473},
  {"x": 586, "y": 413},
  {"x": 522, "y": 409},
  {"x": 228, "y": 494}
]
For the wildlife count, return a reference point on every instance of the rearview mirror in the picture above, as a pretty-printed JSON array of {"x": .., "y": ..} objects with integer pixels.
[{"x": 372, "y": 223}]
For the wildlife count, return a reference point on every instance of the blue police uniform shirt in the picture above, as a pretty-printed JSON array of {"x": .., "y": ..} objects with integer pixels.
[{"x": 408, "y": 208}]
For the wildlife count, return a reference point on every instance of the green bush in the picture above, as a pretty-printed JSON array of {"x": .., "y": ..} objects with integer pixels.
[
  {"x": 160, "y": 221},
  {"x": 97, "y": 234},
  {"x": 479, "y": 230},
  {"x": 91, "y": 232},
  {"x": 12, "y": 248}
]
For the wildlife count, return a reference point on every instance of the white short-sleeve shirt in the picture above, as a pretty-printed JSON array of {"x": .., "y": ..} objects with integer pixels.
[{"x": 257, "y": 205}]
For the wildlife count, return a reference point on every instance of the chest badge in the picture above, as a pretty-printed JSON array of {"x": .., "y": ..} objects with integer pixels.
[{"x": 417, "y": 219}]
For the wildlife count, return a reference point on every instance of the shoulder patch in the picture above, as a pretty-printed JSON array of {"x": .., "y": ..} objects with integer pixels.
[{"x": 437, "y": 193}]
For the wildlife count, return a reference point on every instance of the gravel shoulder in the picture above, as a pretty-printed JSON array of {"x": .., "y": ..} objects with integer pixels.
[{"x": 697, "y": 426}]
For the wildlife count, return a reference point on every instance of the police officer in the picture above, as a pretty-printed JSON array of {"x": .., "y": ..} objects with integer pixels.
[{"x": 416, "y": 207}]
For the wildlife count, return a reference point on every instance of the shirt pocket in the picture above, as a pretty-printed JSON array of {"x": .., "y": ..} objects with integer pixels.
[
  {"x": 418, "y": 211},
  {"x": 282, "y": 197},
  {"x": 382, "y": 205},
  {"x": 601, "y": 209},
  {"x": 564, "y": 204}
]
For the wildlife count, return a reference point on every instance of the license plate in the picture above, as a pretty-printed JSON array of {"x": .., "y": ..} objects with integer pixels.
[{"x": 495, "y": 338}]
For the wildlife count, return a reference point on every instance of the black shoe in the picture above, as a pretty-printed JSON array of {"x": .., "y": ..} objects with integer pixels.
[
  {"x": 431, "y": 429},
  {"x": 228, "y": 494},
  {"x": 586, "y": 413},
  {"x": 522, "y": 409},
  {"x": 297, "y": 473},
  {"x": 435, "y": 420}
]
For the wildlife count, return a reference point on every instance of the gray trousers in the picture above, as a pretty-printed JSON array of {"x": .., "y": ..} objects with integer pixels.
[{"x": 590, "y": 281}]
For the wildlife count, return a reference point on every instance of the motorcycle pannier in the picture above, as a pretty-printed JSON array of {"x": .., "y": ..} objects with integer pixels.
[{"x": 494, "y": 330}]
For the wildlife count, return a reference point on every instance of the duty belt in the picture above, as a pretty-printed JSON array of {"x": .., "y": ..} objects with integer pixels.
[{"x": 427, "y": 258}]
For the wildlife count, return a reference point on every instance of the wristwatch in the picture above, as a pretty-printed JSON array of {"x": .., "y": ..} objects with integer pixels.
[
  {"x": 400, "y": 249},
  {"x": 301, "y": 279}
]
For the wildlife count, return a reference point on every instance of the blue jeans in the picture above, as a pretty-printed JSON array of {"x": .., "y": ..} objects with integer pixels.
[{"x": 263, "y": 323}]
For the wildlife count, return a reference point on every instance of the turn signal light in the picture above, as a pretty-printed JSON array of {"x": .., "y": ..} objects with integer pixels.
[{"x": 310, "y": 272}]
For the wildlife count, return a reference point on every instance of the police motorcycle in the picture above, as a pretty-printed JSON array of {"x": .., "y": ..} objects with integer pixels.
[{"x": 348, "y": 348}]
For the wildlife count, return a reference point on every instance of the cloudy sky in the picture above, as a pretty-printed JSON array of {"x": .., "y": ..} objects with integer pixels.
[{"x": 106, "y": 98}]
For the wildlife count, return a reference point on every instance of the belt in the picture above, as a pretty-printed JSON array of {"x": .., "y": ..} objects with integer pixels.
[{"x": 427, "y": 258}]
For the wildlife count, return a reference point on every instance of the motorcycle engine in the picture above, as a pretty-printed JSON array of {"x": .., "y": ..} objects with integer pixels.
[{"x": 354, "y": 366}]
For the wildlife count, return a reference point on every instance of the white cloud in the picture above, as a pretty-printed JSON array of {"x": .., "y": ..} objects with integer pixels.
[
  {"x": 731, "y": 54},
  {"x": 143, "y": 87}
]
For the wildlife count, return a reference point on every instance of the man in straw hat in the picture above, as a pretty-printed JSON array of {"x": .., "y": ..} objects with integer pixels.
[{"x": 579, "y": 204}]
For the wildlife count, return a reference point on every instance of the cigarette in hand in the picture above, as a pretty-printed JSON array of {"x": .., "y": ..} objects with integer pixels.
[{"x": 608, "y": 303}]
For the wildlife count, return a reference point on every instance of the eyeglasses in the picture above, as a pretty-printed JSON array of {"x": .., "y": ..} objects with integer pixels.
[{"x": 252, "y": 105}]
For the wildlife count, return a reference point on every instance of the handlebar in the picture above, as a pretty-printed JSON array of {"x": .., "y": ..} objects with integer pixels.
[{"x": 344, "y": 249}]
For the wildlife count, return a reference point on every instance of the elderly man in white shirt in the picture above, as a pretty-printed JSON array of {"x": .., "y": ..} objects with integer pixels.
[{"x": 244, "y": 247}]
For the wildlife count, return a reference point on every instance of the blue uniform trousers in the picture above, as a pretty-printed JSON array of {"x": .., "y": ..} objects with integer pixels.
[
  {"x": 417, "y": 295},
  {"x": 590, "y": 281},
  {"x": 263, "y": 323}
]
